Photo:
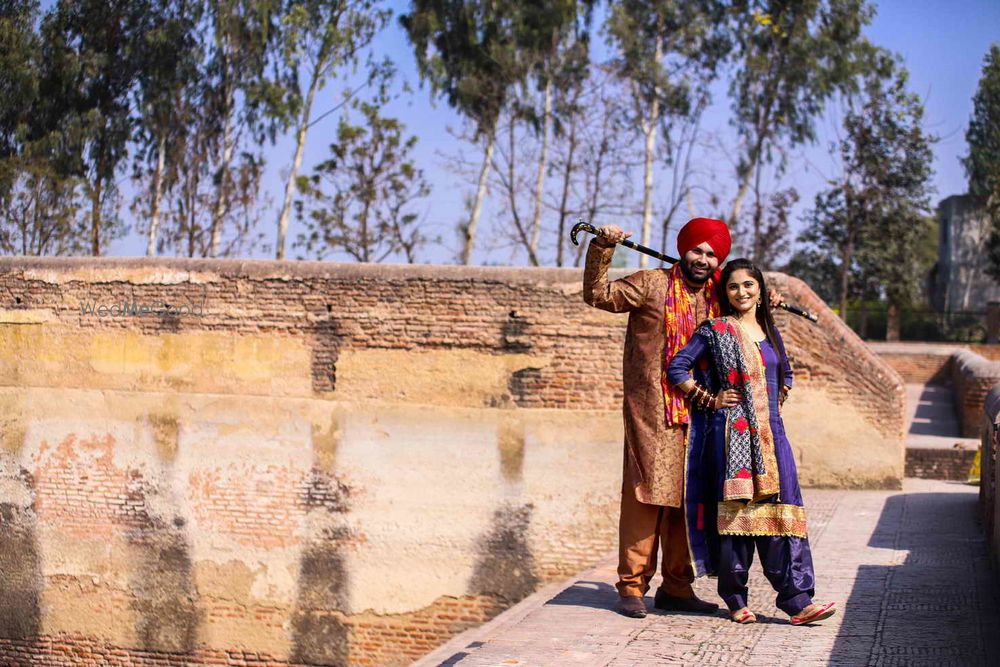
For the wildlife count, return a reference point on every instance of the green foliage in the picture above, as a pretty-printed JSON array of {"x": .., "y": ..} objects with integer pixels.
[
  {"x": 466, "y": 50},
  {"x": 874, "y": 224},
  {"x": 19, "y": 52},
  {"x": 361, "y": 201},
  {"x": 319, "y": 37},
  {"x": 772, "y": 222},
  {"x": 982, "y": 164},
  {"x": 667, "y": 48},
  {"x": 793, "y": 55}
]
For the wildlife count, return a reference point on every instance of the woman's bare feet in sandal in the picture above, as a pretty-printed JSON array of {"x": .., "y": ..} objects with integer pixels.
[
  {"x": 743, "y": 616},
  {"x": 815, "y": 612}
]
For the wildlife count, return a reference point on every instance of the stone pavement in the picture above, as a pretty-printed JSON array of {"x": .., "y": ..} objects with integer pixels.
[{"x": 908, "y": 568}]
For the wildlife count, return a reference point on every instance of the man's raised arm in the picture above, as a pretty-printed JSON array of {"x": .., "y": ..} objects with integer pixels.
[{"x": 617, "y": 296}]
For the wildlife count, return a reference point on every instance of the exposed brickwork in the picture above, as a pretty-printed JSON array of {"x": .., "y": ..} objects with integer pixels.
[
  {"x": 929, "y": 368},
  {"x": 833, "y": 356},
  {"x": 989, "y": 484},
  {"x": 85, "y": 486},
  {"x": 972, "y": 377},
  {"x": 938, "y": 463},
  {"x": 363, "y": 639},
  {"x": 497, "y": 311},
  {"x": 928, "y": 363}
]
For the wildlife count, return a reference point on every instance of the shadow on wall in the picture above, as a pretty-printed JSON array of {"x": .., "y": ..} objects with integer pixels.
[
  {"x": 320, "y": 635},
  {"x": 505, "y": 567},
  {"x": 924, "y": 611},
  {"x": 20, "y": 566},
  {"x": 163, "y": 595}
]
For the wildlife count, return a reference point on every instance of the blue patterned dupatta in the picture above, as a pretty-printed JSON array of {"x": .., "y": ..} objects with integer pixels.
[{"x": 751, "y": 465}]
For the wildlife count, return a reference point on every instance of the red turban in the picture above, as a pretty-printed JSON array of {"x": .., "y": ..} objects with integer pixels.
[{"x": 705, "y": 230}]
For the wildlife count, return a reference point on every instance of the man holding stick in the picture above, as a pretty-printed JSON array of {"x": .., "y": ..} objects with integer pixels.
[{"x": 665, "y": 306}]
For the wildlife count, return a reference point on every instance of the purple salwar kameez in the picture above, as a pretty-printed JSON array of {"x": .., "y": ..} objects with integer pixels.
[{"x": 784, "y": 552}]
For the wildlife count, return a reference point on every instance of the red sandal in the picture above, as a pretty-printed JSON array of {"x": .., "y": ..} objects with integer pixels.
[
  {"x": 743, "y": 616},
  {"x": 814, "y": 612}
]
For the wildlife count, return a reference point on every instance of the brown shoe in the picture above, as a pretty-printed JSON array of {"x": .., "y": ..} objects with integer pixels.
[
  {"x": 632, "y": 606},
  {"x": 692, "y": 604}
]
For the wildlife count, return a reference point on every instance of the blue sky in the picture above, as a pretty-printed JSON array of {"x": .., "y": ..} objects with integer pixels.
[{"x": 942, "y": 45}]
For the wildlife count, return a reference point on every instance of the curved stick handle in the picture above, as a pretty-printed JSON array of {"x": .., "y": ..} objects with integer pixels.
[
  {"x": 587, "y": 227},
  {"x": 582, "y": 226}
]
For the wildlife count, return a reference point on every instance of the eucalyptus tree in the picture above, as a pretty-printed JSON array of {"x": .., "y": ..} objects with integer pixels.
[
  {"x": 669, "y": 51},
  {"x": 874, "y": 219},
  {"x": 320, "y": 39},
  {"x": 553, "y": 39},
  {"x": 467, "y": 51},
  {"x": 169, "y": 59},
  {"x": 39, "y": 205},
  {"x": 791, "y": 56},
  {"x": 89, "y": 70},
  {"x": 239, "y": 103}
]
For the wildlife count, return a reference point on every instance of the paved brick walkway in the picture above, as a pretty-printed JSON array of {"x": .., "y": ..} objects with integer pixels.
[{"x": 909, "y": 570}]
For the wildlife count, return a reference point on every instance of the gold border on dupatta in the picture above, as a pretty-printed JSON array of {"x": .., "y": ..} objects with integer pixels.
[
  {"x": 767, "y": 484},
  {"x": 737, "y": 518}
]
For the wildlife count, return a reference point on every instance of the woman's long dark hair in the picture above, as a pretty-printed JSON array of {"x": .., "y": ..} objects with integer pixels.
[{"x": 764, "y": 317}]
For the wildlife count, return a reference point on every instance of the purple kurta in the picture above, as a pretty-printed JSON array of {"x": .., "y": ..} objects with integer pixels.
[{"x": 785, "y": 559}]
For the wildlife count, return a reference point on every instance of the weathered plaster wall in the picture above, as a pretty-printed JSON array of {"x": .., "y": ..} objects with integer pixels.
[{"x": 330, "y": 462}]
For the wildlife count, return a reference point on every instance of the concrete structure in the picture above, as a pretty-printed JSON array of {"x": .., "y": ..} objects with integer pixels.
[
  {"x": 298, "y": 462},
  {"x": 960, "y": 279}
]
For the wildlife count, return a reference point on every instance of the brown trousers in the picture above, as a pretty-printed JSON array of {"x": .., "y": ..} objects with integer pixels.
[{"x": 641, "y": 528}]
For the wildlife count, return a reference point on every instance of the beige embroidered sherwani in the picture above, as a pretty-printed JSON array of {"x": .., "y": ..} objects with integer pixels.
[
  {"x": 653, "y": 477},
  {"x": 654, "y": 452}
]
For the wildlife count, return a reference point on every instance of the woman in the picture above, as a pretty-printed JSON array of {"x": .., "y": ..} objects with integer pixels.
[{"x": 743, "y": 490}]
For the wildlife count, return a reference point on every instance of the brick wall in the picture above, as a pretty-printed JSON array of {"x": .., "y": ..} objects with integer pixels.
[
  {"x": 928, "y": 363},
  {"x": 269, "y": 477},
  {"x": 972, "y": 377},
  {"x": 926, "y": 368},
  {"x": 937, "y": 463},
  {"x": 989, "y": 498},
  {"x": 338, "y": 308}
]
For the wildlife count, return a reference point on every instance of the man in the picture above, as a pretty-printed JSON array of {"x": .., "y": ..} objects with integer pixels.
[{"x": 664, "y": 306}]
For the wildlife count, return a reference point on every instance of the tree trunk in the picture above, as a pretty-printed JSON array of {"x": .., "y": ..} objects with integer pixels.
[
  {"x": 154, "y": 214},
  {"x": 220, "y": 197},
  {"x": 292, "y": 183},
  {"x": 845, "y": 270},
  {"x": 95, "y": 218},
  {"x": 647, "y": 182},
  {"x": 734, "y": 212},
  {"x": 595, "y": 195},
  {"x": 757, "y": 252},
  {"x": 536, "y": 221},
  {"x": 470, "y": 230},
  {"x": 892, "y": 323},
  {"x": 226, "y": 156},
  {"x": 564, "y": 201}
]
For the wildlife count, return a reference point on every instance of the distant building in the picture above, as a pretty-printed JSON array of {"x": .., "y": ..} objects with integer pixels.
[{"x": 960, "y": 281}]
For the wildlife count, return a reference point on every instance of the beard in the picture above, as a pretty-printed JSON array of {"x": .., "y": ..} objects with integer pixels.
[{"x": 688, "y": 272}]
